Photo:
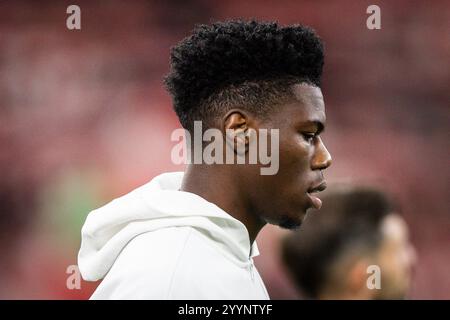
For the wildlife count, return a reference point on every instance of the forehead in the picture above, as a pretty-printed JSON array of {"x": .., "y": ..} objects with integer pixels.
[
  {"x": 309, "y": 105},
  {"x": 307, "y": 93},
  {"x": 310, "y": 96}
]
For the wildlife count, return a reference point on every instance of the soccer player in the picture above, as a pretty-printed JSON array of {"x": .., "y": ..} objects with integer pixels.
[
  {"x": 192, "y": 235},
  {"x": 355, "y": 247}
]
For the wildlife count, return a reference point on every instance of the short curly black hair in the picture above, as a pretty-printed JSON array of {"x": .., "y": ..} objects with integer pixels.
[{"x": 240, "y": 63}]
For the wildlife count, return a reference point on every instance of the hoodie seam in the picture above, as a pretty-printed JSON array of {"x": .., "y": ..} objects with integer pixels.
[{"x": 177, "y": 263}]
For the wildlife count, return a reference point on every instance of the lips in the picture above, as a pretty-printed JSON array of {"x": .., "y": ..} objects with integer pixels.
[{"x": 316, "y": 203}]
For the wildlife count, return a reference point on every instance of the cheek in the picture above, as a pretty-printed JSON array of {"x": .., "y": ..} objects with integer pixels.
[
  {"x": 394, "y": 262},
  {"x": 295, "y": 155},
  {"x": 294, "y": 174}
]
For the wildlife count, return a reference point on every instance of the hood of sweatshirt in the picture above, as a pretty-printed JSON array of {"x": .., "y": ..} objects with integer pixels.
[{"x": 155, "y": 205}]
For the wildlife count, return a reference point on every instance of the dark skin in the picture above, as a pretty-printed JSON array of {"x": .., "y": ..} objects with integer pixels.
[{"x": 281, "y": 199}]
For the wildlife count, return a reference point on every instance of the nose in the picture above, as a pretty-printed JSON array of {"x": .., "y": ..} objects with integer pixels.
[{"x": 322, "y": 158}]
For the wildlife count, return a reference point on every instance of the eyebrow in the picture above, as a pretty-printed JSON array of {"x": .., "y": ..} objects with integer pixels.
[{"x": 319, "y": 124}]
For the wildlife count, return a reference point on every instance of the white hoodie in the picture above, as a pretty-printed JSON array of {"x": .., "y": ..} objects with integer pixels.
[{"x": 160, "y": 243}]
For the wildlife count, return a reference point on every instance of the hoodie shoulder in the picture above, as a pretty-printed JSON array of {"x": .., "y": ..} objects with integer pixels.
[
  {"x": 177, "y": 263},
  {"x": 145, "y": 267}
]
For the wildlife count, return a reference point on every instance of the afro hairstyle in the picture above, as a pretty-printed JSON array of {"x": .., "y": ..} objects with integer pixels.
[{"x": 240, "y": 63}]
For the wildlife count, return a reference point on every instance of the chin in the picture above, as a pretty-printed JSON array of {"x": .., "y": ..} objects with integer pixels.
[
  {"x": 287, "y": 218},
  {"x": 291, "y": 223}
]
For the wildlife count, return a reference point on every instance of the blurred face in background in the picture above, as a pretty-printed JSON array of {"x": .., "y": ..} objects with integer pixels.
[
  {"x": 355, "y": 248},
  {"x": 396, "y": 258},
  {"x": 394, "y": 255}
]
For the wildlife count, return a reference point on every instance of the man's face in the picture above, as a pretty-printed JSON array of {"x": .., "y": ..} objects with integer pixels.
[
  {"x": 396, "y": 258},
  {"x": 283, "y": 198}
]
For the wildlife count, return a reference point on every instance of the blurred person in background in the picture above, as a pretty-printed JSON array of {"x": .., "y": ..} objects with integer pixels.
[{"x": 333, "y": 253}]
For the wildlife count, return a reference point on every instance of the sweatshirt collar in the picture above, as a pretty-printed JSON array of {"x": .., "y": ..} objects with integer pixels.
[{"x": 164, "y": 190}]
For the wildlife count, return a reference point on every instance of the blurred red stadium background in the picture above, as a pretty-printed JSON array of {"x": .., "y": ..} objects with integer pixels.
[{"x": 84, "y": 118}]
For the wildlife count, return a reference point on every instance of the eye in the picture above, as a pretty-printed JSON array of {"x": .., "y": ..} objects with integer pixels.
[{"x": 309, "y": 137}]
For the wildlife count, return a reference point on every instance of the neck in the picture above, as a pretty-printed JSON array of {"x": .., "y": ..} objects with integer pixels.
[{"x": 218, "y": 185}]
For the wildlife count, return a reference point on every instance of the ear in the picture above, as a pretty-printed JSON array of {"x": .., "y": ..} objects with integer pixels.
[
  {"x": 236, "y": 125},
  {"x": 357, "y": 281}
]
